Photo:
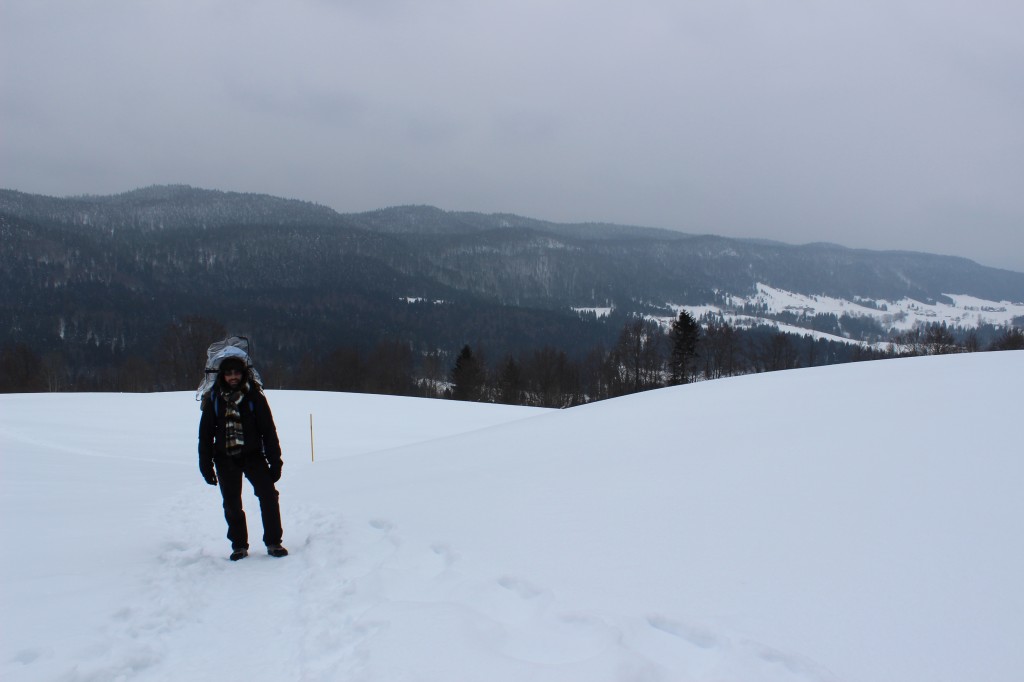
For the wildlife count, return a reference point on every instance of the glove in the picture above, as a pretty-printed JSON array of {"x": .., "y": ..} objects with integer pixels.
[
  {"x": 208, "y": 474},
  {"x": 275, "y": 473}
]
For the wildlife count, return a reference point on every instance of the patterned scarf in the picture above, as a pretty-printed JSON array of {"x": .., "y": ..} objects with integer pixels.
[{"x": 234, "y": 439}]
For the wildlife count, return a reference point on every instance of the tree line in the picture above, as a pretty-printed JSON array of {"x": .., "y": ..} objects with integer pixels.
[{"x": 644, "y": 356}]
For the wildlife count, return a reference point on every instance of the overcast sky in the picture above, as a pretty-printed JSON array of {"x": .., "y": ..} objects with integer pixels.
[{"x": 882, "y": 124}]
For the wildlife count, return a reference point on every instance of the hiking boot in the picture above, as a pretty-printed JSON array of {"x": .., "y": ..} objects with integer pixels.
[
  {"x": 277, "y": 550},
  {"x": 237, "y": 554}
]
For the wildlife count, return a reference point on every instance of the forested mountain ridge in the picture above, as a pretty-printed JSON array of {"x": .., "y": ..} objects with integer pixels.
[
  {"x": 656, "y": 263},
  {"x": 99, "y": 279},
  {"x": 165, "y": 207}
]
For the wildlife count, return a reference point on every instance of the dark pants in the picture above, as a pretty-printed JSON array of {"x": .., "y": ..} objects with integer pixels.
[{"x": 256, "y": 469}]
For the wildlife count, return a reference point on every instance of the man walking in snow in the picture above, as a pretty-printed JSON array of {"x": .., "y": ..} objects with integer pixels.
[{"x": 237, "y": 436}]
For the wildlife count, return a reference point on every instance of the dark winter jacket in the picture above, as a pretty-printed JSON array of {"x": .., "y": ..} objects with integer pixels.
[{"x": 260, "y": 433}]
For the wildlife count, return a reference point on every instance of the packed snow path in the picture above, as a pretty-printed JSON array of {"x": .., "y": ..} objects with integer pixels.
[
  {"x": 359, "y": 603},
  {"x": 855, "y": 523}
]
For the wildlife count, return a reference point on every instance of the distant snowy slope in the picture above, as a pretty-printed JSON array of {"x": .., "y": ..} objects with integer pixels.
[
  {"x": 892, "y": 317},
  {"x": 856, "y": 522}
]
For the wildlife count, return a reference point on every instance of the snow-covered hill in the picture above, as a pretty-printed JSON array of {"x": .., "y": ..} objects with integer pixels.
[
  {"x": 857, "y": 522},
  {"x": 795, "y": 313}
]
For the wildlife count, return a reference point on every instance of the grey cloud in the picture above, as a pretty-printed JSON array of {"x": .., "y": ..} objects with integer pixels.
[{"x": 871, "y": 124}]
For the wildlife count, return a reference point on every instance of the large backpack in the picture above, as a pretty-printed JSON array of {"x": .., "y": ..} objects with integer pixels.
[{"x": 231, "y": 347}]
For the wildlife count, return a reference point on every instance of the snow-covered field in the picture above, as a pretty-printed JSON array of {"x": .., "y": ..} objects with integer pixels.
[
  {"x": 857, "y": 522},
  {"x": 963, "y": 311}
]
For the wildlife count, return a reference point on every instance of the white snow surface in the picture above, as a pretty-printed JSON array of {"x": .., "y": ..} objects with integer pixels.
[
  {"x": 964, "y": 311},
  {"x": 906, "y": 313},
  {"x": 857, "y": 522}
]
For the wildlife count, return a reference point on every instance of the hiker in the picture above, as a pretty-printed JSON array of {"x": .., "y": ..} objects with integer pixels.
[{"x": 237, "y": 436}]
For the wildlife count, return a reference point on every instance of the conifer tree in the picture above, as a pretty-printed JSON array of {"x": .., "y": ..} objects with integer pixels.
[
  {"x": 510, "y": 383},
  {"x": 684, "y": 337},
  {"x": 467, "y": 376},
  {"x": 1011, "y": 339}
]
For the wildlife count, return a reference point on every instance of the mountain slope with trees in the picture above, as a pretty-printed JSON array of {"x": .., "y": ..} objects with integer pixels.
[{"x": 105, "y": 291}]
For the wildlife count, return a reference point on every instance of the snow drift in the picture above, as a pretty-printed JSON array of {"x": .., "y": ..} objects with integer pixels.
[{"x": 858, "y": 522}]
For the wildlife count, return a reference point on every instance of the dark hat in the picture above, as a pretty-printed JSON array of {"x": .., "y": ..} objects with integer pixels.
[{"x": 232, "y": 363}]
